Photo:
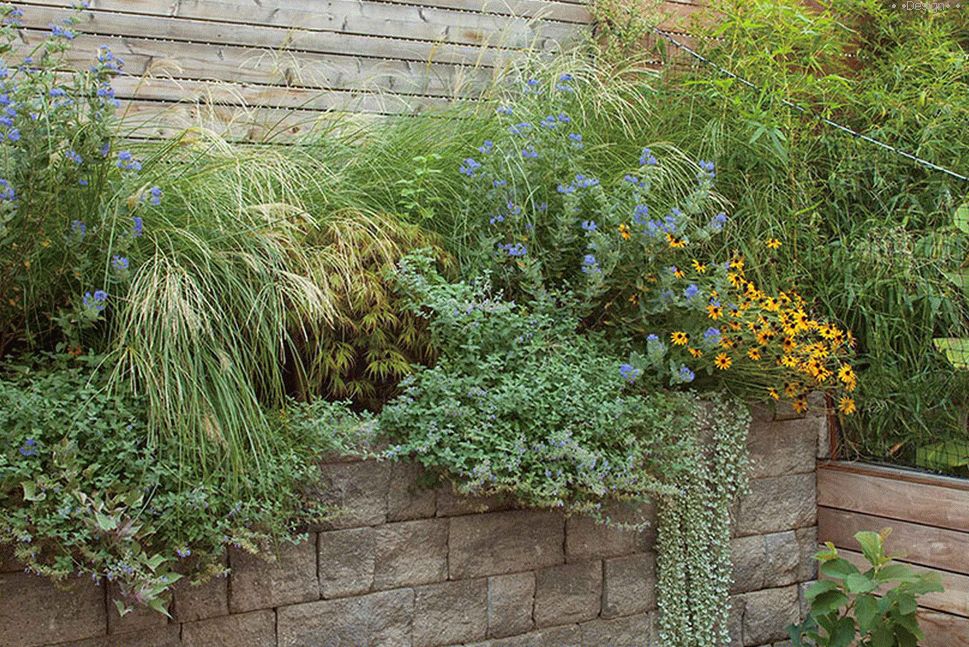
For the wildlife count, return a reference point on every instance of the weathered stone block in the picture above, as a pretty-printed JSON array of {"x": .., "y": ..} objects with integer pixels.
[
  {"x": 587, "y": 538},
  {"x": 567, "y": 636},
  {"x": 511, "y": 599},
  {"x": 406, "y": 498},
  {"x": 633, "y": 631},
  {"x": 35, "y": 612},
  {"x": 629, "y": 585},
  {"x": 504, "y": 542},
  {"x": 450, "y": 612},
  {"x": 346, "y": 559},
  {"x": 778, "y": 504},
  {"x": 138, "y": 618},
  {"x": 411, "y": 553},
  {"x": 166, "y": 636},
  {"x": 197, "y": 602},
  {"x": 768, "y": 613},
  {"x": 765, "y": 561},
  {"x": 253, "y": 629},
  {"x": 358, "y": 492},
  {"x": 568, "y": 593},
  {"x": 807, "y": 539},
  {"x": 781, "y": 448},
  {"x": 450, "y": 503},
  {"x": 735, "y": 621},
  {"x": 257, "y": 584},
  {"x": 374, "y": 620}
]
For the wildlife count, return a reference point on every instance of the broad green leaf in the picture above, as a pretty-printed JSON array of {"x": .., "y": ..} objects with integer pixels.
[
  {"x": 858, "y": 583},
  {"x": 894, "y": 571},
  {"x": 105, "y": 522},
  {"x": 159, "y": 605},
  {"x": 828, "y": 601},
  {"x": 871, "y": 545},
  {"x": 956, "y": 350},
  {"x": 938, "y": 456},
  {"x": 883, "y": 636},
  {"x": 962, "y": 218},
  {"x": 959, "y": 278},
  {"x": 819, "y": 587},
  {"x": 30, "y": 491},
  {"x": 843, "y": 634},
  {"x": 866, "y": 611},
  {"x": 838, "y": 568}
]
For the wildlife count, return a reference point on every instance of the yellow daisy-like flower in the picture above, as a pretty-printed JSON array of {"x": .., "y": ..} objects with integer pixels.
[
  {"x": 735, "y": 279},
  {"x": 847, "y": 406},
  {"x": 754, "y": 354},
  {"x": 695, "y": 352},
  {"x": 679, "y": 338},
  {"x": 789, "y": 361},
  {"x": 633, "y": 298},
  {"x": 678, "y": 273},
  {"x": 737, "y": 264},
  {"x": 771, "y": 304},
  {"x": 699, "y": 267},
  {"x": 789, "y": 344},
  {"x": 714, "y": 311},
  {"x": 624, "y": 231},
  {"x": 846, "y": 373},
  {"x": 752, "y": 292},
  {"x": 800, "y": 405},
  {"x": 772, "y": 243},
  {"x": 675, "y": 242},
  {"x": 723, "y": 361},
  {"x": 792, "y": 389},
  {"x": 772, "y": 392},
  {"x": 734, "y": 326}
]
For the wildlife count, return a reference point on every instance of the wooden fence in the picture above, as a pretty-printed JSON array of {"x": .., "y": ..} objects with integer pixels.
[
  {"x": 929, "y": 517},
  {"x": 244, "y": 66}
]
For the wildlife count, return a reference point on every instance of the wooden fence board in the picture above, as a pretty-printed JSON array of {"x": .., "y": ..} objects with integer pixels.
[
  {"x": 931, "y": 504},
  {"x": 563, "y": 11},
  {"x": 943, "y": 630}
]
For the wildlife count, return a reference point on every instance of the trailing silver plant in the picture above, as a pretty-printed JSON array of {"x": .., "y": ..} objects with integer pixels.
[{"x": 693, "y": 542}]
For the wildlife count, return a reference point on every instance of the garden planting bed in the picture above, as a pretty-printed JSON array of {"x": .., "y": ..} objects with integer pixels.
[
  {"x": 420, "y": 567},
  {"x": 929, "y": 518}
]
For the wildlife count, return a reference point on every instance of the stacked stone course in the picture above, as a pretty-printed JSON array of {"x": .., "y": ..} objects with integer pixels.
[{"x": 411, "y": 567}]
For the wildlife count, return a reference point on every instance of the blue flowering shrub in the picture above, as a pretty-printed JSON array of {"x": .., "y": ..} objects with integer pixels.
[
  {"x": 642, "y": 256},
  {"x": 519, "y": 403},
  {"x": 85, "y": 494},
  {"x": 63, "y": 181}
]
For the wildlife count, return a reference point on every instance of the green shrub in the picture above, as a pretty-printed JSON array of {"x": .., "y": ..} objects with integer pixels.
[
  {"x": 872, "y": 608},
  {"x": 84, "y": 494}
]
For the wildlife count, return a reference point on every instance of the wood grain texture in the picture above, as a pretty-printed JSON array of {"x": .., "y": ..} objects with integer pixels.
[
  {"x": 943, "y": 630},
  {"x": 894, "y": 496}
]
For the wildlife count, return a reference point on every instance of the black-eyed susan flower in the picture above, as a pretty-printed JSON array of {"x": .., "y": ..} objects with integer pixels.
[
  {"x": 679, "y": 338},
  {"x": 675, "y": 242},
  {"x": 714, "y": 311},
  {"x": 695, "y": 352},
  {"x": 847, "y": 405},
  {"x": 723, "y": 361},
  {"x": 698, "y": 267},
  {"x": 624, "y": 231},
  {"x": 772, "y": 243},
  {"x": 772, "y": 392},
  {"x": 737, "y": 264},
  {"x": 800, "y": 405},
  {"x": 754, "y": 354}
]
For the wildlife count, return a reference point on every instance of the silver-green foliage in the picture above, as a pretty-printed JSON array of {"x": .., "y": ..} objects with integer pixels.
[{"x": 693, "y": 552}]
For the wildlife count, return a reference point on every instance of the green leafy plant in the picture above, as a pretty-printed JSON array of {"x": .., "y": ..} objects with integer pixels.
[{"x": 871, "y": 608}]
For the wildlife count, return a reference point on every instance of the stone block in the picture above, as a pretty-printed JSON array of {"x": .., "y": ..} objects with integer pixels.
[
  {"x": 138, "y": 618},
  {"x": 639, "y": 630},
  {"x": 504, "y": 542},
  {"x": 781, "y": 448},
  {"x": 765, "y": 561},
  {"x": 346, "y": 561},
  {"x": 255, "y": 583},
  {"x": 768, "y": 613},
  {"x": 407, "y": 499},
  {"x": 376, "y": 620},
  {"x": 165, "y": 636},
  {"x": 511, "y": 600},
  {"x": 411, "y": 553},
  {"x": 587, "y": 538},
  {"x": 35, "y": 612},
  {"x": 778, "y": 504},
  {"x": 735, "y": 621},
  {"x": 450, "y": 612},
  {"x": 807, "y": 539},
  {"x": 253, "y": 629},
  {"x": 629, "y": 585},
  {"x": 568, "y": 593},
  {"x": 566, "y": 636},
  {"x": 358, "y": 493},
  {"x": 197, "y": 602},
  {"x": 450, "y": 503}
]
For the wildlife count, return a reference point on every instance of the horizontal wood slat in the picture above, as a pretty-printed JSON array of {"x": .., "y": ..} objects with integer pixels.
[
  {"x": 560, "y": 10},
  {"x": 955, "y": 598},
  {"x": 887, "y": 496},
  {"x": 943, "y": 630}
]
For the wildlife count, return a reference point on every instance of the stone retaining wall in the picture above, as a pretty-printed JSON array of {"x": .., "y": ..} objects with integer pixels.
[{"x": 419, "y": 568}]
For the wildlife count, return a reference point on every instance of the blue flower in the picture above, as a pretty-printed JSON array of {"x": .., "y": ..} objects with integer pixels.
[
  {"x": 531, "y": 83},
  {"x": 646, "y": 158},
  {"x": 576, "y": 140},
  {"x": 78, "y": 228},
  {"x": 717, "y": 222},
  {"x": 183, "y": 552},
  {"x": 127, "y": 162},
  {"x": 496, "y": 219},
  {"x": 640, "y": 214},
  {"x": 513, "y": 209},
  {"x": 551, "y": 121},
  {"x": 514, "y": 249},
  {"x": 504, "y": 110},
  {"x": 154, "y": 195},
  {"x": 519, "y": 128},
  {"x": 137, "y": 227},
  {"x": 6, "y": 191},
  {"x": 712, "y": 334},
  {"x": 629, "y": 372},
  {"x": 14, "y": 135},
  {"x": 566, "y": 78},
  {"x": 499, "y": 183},
  {"x": 589, "y": 225},
  {"x": 652, "y": 337},
  {"x": 486, "y": 147},
  {"x": 590, "y": 264},
  {"x": 565, "y": 188},
  {"x": 73, "y": 156},
  {"x": 105, "y": 149},
  {"x": 95, "y": 302},
  {"x": 529, "y": 153},
  {"x": 469, "y": 167},
  {"x": 29, "y": 448},
  {"x": 583, "y": 182},
  {"x": 119, "y": 263},
  {"x": 691, "y": 291},
  {"x": 58, "y": 92},
  {"x": 685, "y": 375},
  {"x": 61, "y": 32}
]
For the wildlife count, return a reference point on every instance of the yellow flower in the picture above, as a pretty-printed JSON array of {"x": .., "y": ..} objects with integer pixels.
[
  {"x": 772, "y": 243},
  {"x": 624, "y": 231},
  {"x": 674, "y": 241},
  {"x": 678, "y": 273},
  {"x": 679, "y": 338},
  {"x": 847, "y": 406},
  {"x": 737, "y": 264},
  {"x": 723, "y": 361},
  {"x": 846, "y": 373},
  {"x": 789, "y": 361},
  {"x": 696, "y": 352},
  {"x": 800, "y": 405},
  {"x": 714, "y": 311},
  {"x": 735, "y": 279},
  {"x": 773, "y": 393},
  {"x": 754, "y": 354},
  {"x": 771, "y": 304},
  {"x": 633, "y": 298},
  {"x": 699, "y": 267},
  {"x": 789, "y": 344}
]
